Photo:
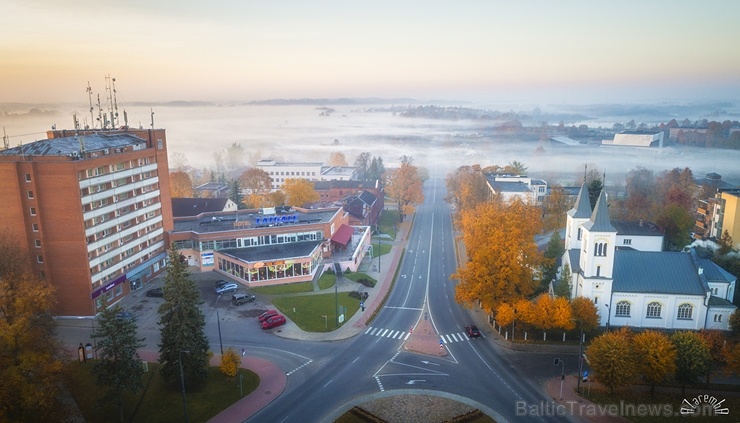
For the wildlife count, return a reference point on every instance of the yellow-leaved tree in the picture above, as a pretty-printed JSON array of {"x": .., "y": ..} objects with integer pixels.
[
  {"x": 503, "y": 257},
  {"x": 657, "y": 357},
  {"x": 30, "y": 355},
  {"x": 299, "y": 192},
  {"x": 230, "y": 362},
  {"x": 466, "y": 187},
  {"x": 180, "y": 185},
  {"x": 405, "y": 187},
  {"x": 613, "y": 360}
]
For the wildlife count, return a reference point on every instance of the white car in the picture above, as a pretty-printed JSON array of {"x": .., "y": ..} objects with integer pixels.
[{"x": 229, "y": 287}]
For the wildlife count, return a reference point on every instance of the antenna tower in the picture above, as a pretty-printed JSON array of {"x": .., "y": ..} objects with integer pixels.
[
  {"x": 89, "y": 97},
  {"x": 114, "y": 118},
  {"x": 100, "y": 113},
  {"x": 152, "y": 118},
  {"x": 109, "y": 100},
  {"x": 6, "y": 141}
]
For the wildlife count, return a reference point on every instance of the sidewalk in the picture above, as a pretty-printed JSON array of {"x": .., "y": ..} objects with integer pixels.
[{"x": 573, "y": 403}]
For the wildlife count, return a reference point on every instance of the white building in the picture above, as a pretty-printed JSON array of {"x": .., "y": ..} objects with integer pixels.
[
  {"x": 530, "y": 191},
  {"x": 636, "y": 139},
  {"x": 635, "y": 283},
  {"x": 280, "y": 171}
]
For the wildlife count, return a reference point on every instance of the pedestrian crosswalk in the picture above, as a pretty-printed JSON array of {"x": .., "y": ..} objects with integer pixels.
[{"x": 398, "y": 334}]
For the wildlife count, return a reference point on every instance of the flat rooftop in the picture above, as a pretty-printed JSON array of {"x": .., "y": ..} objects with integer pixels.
[
  {"x": 250, "y": 219},
  {"x": 273, "y": 252}
]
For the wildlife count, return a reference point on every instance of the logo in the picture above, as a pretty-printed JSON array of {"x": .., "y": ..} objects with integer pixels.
[{"x": 703, "y": 405}]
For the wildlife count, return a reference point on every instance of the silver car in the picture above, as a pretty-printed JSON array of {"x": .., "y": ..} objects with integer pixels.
[{"x": 229, "y": 287}]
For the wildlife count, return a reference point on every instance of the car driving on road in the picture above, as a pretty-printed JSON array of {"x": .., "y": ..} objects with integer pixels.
[{"x": 472, "y": 331}]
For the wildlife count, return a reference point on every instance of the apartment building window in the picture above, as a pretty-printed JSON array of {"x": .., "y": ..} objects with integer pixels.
[
  {"x": 120, "y": 166},
  {"x": 37, "y": 243},
  {"x": 159, "y": 144},
  {"x": 39, "y": 258},
  {"x": 29, "y": 194},
  {"x": 542, "y": 189},
  {"x": 33, "y": 211},
  {"x": 35, "y": 227},
  {"x": 28, "y": 177}
]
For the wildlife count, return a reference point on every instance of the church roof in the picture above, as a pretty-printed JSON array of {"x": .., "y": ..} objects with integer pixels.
[
  {"x": 582, "y": 207},
  {"x": 715, "y": 301},
  {"x": 714, "y": 273},
  {"x": 600, "y": 217},
  {"x": 656, "y": 271}
]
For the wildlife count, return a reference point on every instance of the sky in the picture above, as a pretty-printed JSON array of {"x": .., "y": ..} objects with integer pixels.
[{"x": 568, "y": 51}]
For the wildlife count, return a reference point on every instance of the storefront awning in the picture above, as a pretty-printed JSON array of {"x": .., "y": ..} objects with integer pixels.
[{"x": 343, "y": 234}]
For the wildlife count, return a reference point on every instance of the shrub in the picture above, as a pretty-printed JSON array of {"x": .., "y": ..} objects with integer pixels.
[{"x": 230, "y": 362}]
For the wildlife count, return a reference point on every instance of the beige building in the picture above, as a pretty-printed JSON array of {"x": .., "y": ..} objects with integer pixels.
[
  {"x": 727, "y": 215},
  {"x": 280, "y": 171}
]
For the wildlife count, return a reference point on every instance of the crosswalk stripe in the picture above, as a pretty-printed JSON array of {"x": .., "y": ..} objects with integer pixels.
[
  {"x": 407, "y": 336},
  {"x": 384, "y": 332},
  {"x": 392, "y": 334},
  {"x": 370, "y": 328}
]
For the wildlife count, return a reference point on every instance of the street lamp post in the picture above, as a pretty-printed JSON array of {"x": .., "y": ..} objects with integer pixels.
[
  {"x": 513, "y": 322},
  {"x": 580, "y": 359},
  {"x": 608, "y": 316},
  {"x": 336, "y": 301},
  {"x": 562, "y": 374},
  {"x": 182, "y": 384},
  {"x": 218, "y": 321}
]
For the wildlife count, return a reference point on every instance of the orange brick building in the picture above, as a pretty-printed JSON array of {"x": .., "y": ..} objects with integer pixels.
[{"x": 92, "y": 209}]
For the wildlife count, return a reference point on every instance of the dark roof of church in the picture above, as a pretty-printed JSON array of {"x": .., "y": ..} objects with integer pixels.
[
  {"x": 637, "y": 227},
  {"x": 600, "y": 217},
  {"x": 656, "y": 271},
  {"x": 582, "y": 208}
]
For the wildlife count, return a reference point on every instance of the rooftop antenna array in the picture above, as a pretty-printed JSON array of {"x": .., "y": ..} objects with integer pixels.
[
  {"x": 108, "y": 100},
  {"x": 152, "y": 110},
  {"x": 100, "y": 114},
  {"x": 89, "y": 96},
  {"x": 115, "y": 106}
]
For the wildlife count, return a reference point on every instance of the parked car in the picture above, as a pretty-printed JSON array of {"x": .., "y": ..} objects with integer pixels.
[
  {"x": 266, "y": 315},
  {"x": 239, "y": 299},
  {"x": 472, "y": 331},
  {"x": 274, "y": 321},
  {"x": 225, "y": 289},
  {"x": 125, "y": 315},
  {"x": 155, "y": 292},
  {"x": 221, "y": 283}
]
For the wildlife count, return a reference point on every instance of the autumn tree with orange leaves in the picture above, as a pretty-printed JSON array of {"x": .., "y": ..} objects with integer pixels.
[
  {"x": 299, "y": 192},
  {"x": 503, "y": 257},
  {"x": 405, "y": 187},
  {"x": 657, "y": 357},
  {"x": 467, "y": 187},
  {"x": 30, "y": 355},
  {"x": 180, "y": 185}
]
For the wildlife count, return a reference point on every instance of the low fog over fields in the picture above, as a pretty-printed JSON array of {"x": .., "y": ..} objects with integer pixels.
[{"x": 310, "y": 132}]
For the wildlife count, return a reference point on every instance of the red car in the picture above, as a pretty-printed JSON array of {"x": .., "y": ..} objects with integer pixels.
[
  {"x": 266, "y": 315},
  {"x": 273, "y": 322}
]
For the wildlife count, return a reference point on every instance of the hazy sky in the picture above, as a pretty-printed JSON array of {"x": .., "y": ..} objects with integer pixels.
[{"x": 226, "y": 50}]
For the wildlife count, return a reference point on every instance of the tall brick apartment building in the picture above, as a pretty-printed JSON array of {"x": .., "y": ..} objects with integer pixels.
[{"x": 92, "y": 209}]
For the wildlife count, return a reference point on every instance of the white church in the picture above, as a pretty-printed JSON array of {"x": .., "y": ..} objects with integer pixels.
[{"x": 634, "y": 282}]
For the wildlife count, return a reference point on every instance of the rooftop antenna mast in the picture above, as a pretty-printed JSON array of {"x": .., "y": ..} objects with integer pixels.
[
  {"x": 152, "y": 118},
  {"x": 6, "y": 141},
  {"x": 100, "y": 114},
  {"x": 114, "y": 118},
  {"x": 76, "y": 122},
  {"x": 108, "y": 100},
  {"x": 89, "y": 96}
]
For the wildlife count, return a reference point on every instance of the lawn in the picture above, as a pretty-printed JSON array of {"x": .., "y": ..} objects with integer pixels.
[
  {"x": 288, "y": 288},
  {"x": 158, "y": 402},
  {"x": 388, "y": 222},
  {"x": 355, "y": 276},
  {"x": 311, "y": 309},
  {"x": 327, "y": 280}
]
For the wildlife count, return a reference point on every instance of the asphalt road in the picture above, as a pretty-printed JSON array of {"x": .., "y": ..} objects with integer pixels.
[{"x": 324, "y": 377}]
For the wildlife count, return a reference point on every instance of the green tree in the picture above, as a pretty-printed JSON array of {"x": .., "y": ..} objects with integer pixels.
[
  {"x": 235, "y": 193},
  {"x": 734, "y": 322},
  {"x": 183, "y": 326},
  {"x": 234, "y": 157},
  {"x": 676, "y": 222},
  {"x": 656, "y": 357},
  {"x": 693, "y": 358},
  {"x": 555, "y": 249},
  {"x": 725, "y": 243},
  {"x": 119, "y": 366},
  {"x": 362, "y": 166},
  {"x": 564, "y": 287},
  {"x": 299, "y": 192},
  {"x": 595, "y": 184},
  {"x": 613, "y": 359},
  {"x": 405, "y": 187},
  {"x": 376, "y": 170},
  {"x": 30, "y": 355}
]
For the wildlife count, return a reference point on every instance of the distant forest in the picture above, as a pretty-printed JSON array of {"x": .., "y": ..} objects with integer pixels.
[{"x": 700, "y": 133}]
